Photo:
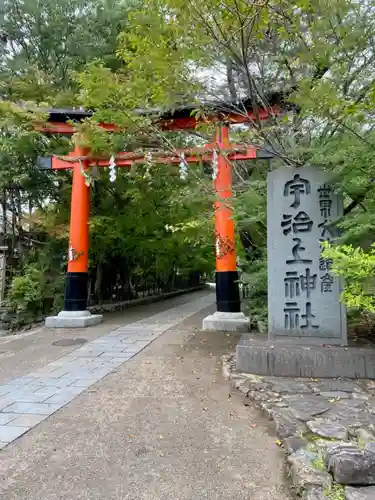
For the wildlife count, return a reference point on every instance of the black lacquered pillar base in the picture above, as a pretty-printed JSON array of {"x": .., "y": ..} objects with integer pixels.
[
  {"x": 75, "y": 313},
  {"x": 228, "y": 317},
  {"x": 75, "y": 296},
  {"x": 227, "y": 292}
]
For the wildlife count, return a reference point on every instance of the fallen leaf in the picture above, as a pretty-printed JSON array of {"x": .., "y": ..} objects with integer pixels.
[
  {"x": 204, "y": 408},
  {"x": 253, "y": 426},
  {"x": 279, "y": 443}
]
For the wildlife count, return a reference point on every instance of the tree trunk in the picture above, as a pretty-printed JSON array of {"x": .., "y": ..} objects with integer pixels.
[
  {"x": 19, "y": 218},
  {"x": 13, "y": 209},
  {"x": 230, "y": 79},
  {"x": 4, "y": 215},
  {"x": 251, "y": 251},
  {"x": 98, "y": 282}
]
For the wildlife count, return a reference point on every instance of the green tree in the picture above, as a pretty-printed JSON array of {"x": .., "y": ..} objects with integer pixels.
[
  {"x": 318, "y": 55},
  {"x": 44, "y": 41},
  {"x": 136, "y": 238}
]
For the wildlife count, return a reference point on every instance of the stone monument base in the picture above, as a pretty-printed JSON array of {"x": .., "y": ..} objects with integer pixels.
[
  {"x": 227, "y": 322},
  {"x": 73, "y": 319},
  {"x": 260, "y": 356}
]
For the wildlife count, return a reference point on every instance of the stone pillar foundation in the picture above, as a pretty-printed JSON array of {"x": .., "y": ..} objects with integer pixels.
[
  {"x": 227, "y": 322},
  {"x": 73, "y": 319}
]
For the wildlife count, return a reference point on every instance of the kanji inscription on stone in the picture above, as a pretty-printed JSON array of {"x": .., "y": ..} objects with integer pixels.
[
  {"x": 325, "y": 264},
  {"x": 296, "y": 284},
  {"x": 325, "y": 200},
  {"x": 303, "y": 293},
  {"x": 296, "y": 318},
  {"x": 297, "y": 187},
  {"x": 300, "y": 223},
  {"x": 296, "y": 249}
]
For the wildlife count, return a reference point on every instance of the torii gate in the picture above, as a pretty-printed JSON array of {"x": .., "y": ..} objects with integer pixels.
[{"x": 228, "y": 316}]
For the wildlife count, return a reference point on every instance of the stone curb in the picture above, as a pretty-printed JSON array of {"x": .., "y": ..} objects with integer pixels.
[
  {"x": 108, "y": 308},
  {"x": 325, "y": 426},
  {"x": 121, "y": 306}
]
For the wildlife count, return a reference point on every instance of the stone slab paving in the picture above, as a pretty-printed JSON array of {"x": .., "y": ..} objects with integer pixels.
[
  {"x": 26, "y": 401},
  {"x": 29, "y": 351},
  {"x": 326, "y": 427}
]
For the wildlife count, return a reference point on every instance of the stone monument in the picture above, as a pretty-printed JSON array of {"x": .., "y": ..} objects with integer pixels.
[
  {"x": 303, "y": 294},
  {"x": 307, "y": 331}
]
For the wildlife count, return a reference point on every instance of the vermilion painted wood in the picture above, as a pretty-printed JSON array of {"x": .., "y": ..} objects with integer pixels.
[
  {"x": 224, "y": 223},
  {"x": 173, "y": 124},
  {"x": 228, "y": 296},
  {"x": 128, "y": 159},
  {"x": 79, "y": 218},
  {"x": 68, "y": 128}
]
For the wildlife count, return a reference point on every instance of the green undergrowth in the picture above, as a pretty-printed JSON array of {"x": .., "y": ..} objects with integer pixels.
[
  {"x": 336, "y": 492},
  {"x": 319, "y": 463},
  {"x": 312, "y": 438}
]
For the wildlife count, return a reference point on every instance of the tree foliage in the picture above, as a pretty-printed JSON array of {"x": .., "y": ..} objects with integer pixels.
[
  {"x": 148, "y": 231},
  {"x": 314, "y": 60},
  {"x": 358, "y": 269},
  {"x": 318, "y": 56}
]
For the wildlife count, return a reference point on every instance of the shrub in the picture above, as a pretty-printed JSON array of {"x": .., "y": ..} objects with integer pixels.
[
  {"x": 34, "y": 294},
  {"x": 357, "y": 267}
]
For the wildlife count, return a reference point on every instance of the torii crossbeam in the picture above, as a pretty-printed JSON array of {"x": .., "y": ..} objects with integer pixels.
[{"x": 75, "y": 314}]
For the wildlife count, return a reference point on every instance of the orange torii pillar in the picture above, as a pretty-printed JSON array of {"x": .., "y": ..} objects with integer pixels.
[
  {"x": 75, "y": 313},
  {"x": 228, "y": 316}
]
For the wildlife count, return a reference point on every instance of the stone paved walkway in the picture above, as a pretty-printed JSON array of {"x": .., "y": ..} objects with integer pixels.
[
  {"x": 162, "y": 425},
  {"x": 27, "y": 400}
]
